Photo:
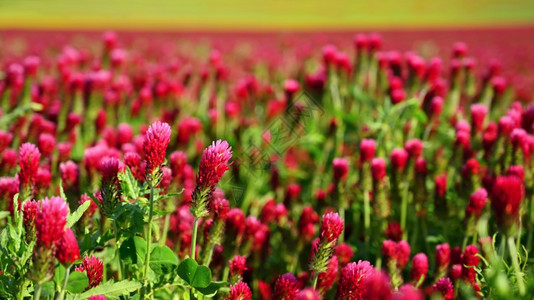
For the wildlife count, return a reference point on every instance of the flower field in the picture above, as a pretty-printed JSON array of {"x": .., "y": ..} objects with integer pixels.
[{"x": 297, "y": 166}]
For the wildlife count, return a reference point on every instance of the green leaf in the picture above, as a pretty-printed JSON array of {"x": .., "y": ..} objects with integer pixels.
[
  {"x": 195, "y": 275},
  {"x": 110, "y": 289},
  {"x": 62, "y": 191},
  {"x": 47, "y": 289},
  {"x": 212, "y": 288},
  {"x": 74, "y": 217},
  {"x": 129, "y": 184},
  {"x": 162, "y": 259},
  {"x": 59, "y": 274},
  {"x": 77, "y": 282},
  {"x": 133, "y": 250},
  {"x": 187, "y": 269},
  {"x": 4, "y": 214}
]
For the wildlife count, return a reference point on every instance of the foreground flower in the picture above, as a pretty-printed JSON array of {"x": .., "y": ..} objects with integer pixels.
[
  {"x": 67, "y": 248},
  {"x": 445, "y": 288},
  {"x": 50, "y": 221},
  {"x": 308, "y": 294},
  {"x": 419, "y": 268},
  {"x": 239, "y": 291},
  {"x": 157, "y": 139},
  {"x": 351, "y": 281},
  {"x": 110, "y": 189},
  {"x": 213, "y": 165},
  {"x": 285, "y": 287},
  {"x": 94, "y": 268},
  {"x": 506, "y": 197},
  {"x": 331, "y": 229},
  {"x": 28, "y": 158}
]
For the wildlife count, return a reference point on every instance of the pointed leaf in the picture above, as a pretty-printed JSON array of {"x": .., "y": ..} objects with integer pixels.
[{"x": 74, "y": 217}]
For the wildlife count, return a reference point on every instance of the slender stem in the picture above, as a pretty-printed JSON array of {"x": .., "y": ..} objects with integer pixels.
[
  {"x": 367, "y": 214},
  {"x": 62, "y": 294},
  {"x": 148, "y": 239},
  {"x": 315, "y": 278},
  {"x": 193, "y": 248},
  {"x": 194, "y": 239},
  {"x": 117, "y": 248},
  {"x": 37, "y": 292},
  {"x": 163, "y": 238},
  {"x": 404, "y": 210},
  {"x": 210, "y": 255},
  {"x": 517, "y": 268}
]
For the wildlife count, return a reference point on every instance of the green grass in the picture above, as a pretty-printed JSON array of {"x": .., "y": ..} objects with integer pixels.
[{"x": 262, "y": 14}]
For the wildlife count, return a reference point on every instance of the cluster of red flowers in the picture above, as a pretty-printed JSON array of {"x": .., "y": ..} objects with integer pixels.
[{"x": 398, "y": 156}]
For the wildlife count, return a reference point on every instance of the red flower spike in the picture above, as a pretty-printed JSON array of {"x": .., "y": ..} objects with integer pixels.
[
  {"x": 378, "y": 168},
  {"x": 28, "y": 158},
  {"x": 351, "y": 285},
  {"x": 506, "y": 196},
  {"x": 238, "y": 265},
  {"x": 341, "y": 168},
  {"x": 97, "y": 297},
  {"x": 239, "y": 291},
  {"x": 285, "y": 287},
  {"x": 419, "y": 267},
  {"x": 477, "y": 201},
  {"x": 157, "y": 139},
  {"x": 67, "y": 248},
  {"x": 414, "y": 147},
  {"x": 214, "y": 163},
  {"x": 50, "y": 221},
  {"x": 399, "y": 157},
  {"x": 94, "y": 268},
  {"x": 444, "y": 287},
  {"x": 367, "y": 150}
]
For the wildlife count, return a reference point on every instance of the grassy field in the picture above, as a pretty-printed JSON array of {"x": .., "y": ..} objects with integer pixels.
[{"x": 262, "y": 15}]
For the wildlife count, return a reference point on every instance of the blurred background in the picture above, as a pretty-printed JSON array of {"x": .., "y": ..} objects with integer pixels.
[{"x": 493, "y": 29}]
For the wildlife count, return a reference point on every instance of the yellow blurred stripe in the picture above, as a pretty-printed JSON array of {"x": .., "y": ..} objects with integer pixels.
[{"x": 261, "y": 14}]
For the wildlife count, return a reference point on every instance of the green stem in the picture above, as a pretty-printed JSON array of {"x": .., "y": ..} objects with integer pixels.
[
  {"x": 193, "y": 248},
  {"x": 404, "y": 210},
  {"x": 194, "y": 239},
  {"x": 367, "y": 214},
  {"x": 62, "y": 294},
  {"x": 517, "y": 268},
  {"x": 210, "y": 255},
  {"x": 148, "y": 240},
  {"x": 315, "y": 278},
  {"x": 163, "y": 238},
  {"x": 117, "y": 248},
  {"x": 37, "y": 292}
]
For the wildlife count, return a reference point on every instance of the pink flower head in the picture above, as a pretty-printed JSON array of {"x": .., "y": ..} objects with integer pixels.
[
  {"x": 94, "y": 268},
  {"x": 399, "y": 157},
  {"x": 285, "y": 287},
  {"x": 414, "y": 147},
  {"x": 478, "y": 114},
  {"x": 307, "y": 221},
  {"x": 394, "y": 231},
  {"x": 378, "y": 168},
  {"x": 50, "y": 221},
  {"x": 5, "y": 140},
  {"x": 506, "y": 196},
  {"x": 351, "y": 285},
  {"x": 443, "y": 256},
  {"x": 157, "y": 139},
  {"x": 238, "y": 265},
  {"x": 367, "y": 150},
  {"x": 344, "y": 253},
  {"x": 469, "y": 257},
  {"x": 341, "y": 168},
  {"x": 445, "y": 288},
  {"x": 408, "y": 292},
  {"x": 477, "y": 201},
  {"x": 419, "y": 267},
  {"x": 518, "y": 171},
  {"x": 28, "y": 158},
  {"x": 291, "y": 86},
  {"x": 67, "y": 248},
  {"x": 331, "y": 227},
  {"x": 308, "y": 294},
  {"x": 377, "y": 285},
  {"x": 214, "y": 163},
  {"x": 397, "y": 252},
  {"x": 97, "y": 297},
  {"x": 239, "y": 291},
  {"x": 47, "y": 143},
  {"x": 69, "y": 173},
  {"x": 220, "y": 208},
  {"x": 30, "y": 210}
]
